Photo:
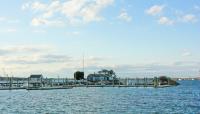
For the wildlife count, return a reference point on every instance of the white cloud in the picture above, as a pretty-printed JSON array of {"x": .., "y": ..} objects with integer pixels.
[
  {"x": 92, "y": 10},
  {"x": 25, "y": 6},
  {"x": 189, "y": 18},
  {"x": 72, "y": 10},
  {"x": 75, "y": 33},
  {"x": 24, "y": 49},
  {"x": 26, "y": 59},
  {"x": 98, "y": 58},
  {"x": 125, "y": 16},
  {"x": 190, "y": 64},
  {"x": 196, "y": 7},
  {"x": 2, "y": 19},
  {"x": 179, "y": 16},
  {"x": 155, "y": 10},
  {"x": 37, "y": 22},
  {"x": 165, "y": 21},
  {"x": 174, "y": 69},
  {"x": 13, "y": 21},
  {"x": 29, "y": 58},
  {"x": 11, "y": 30},
  {"x": 39, "y": 31},
  {"x": 84, "y": 10},
  {"x": 42, "y": 21},
  {"x": 9, "y": 20},
  {"x": 186, "y": 53},
  {"x": 35, "y": 59},
  {"x": 38, "y": 6}
]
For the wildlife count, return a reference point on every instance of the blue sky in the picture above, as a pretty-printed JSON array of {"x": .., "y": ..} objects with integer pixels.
[{"x": 136, "y": 38}]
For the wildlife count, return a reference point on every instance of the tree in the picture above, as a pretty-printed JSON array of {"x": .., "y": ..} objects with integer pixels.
[{"x": 79, "y": 75}]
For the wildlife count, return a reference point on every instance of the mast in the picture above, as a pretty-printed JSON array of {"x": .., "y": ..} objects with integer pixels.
[
  {"x": 4, "y": 72},
  {"x": 83, "y": 62},
  {"x": 198, "y": 74}
]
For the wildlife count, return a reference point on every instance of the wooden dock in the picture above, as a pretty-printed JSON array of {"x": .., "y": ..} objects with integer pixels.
[
  {"x": 12, "y": 88},
  {"x": 9, "y": 83},
  {"x": 129, "y": 86},
  {"x": 49, "y": 88}
]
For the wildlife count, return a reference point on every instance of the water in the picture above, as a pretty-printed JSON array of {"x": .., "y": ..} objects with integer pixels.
[{"x": 181, "y": 99}]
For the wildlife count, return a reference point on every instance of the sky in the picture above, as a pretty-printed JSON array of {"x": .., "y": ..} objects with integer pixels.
[{"x": 135, "y": 38}]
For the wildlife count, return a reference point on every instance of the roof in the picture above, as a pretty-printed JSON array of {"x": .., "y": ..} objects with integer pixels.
[{"x": 36, "y": 76}]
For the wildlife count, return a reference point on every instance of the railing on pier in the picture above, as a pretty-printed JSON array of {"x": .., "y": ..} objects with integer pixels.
[{"x": 17, "y": 83}]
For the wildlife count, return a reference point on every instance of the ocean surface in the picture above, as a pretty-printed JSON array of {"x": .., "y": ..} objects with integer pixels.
[{"x": 184, "y": 98}]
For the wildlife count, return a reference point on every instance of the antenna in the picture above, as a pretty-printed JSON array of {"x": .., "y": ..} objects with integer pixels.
[{"x": 83, "y": 62}]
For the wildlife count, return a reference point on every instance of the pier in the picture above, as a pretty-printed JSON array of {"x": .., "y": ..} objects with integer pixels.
[{"x": 40, "y": 83}]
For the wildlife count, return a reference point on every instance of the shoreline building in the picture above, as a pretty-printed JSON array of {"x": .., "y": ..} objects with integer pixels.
[
  {"x": 102, "y": 77},
  {"x": 36, "y": 81}
]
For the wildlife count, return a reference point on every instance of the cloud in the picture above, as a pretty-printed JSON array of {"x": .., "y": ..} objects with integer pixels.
[
  {"x": 75, "y": 33},
  {"x": 189, "y": 18},
  {"x": 179, "y": 17},
  {"x": 39, "y": 31},
  {"x": 42, "y": 21},
  {"x": 72, "y": 8},
  {"x": 13, "y": 21},
  {"x": 174, "y": 69},
  {"x": 124, "y": 16},
  {"x": 196, "y": 7},
  {"x": 38, "y": 54},
  {"x": 2, "y": 19},
  {"x": 71, "y": 11},
  {"x": 25, "y": 6},
  {"x": 186, "y": 53},
  {"x": 94, "y": 58},
  {"x": 11, "y": 30},
  {"x": 26, "y": 59},
  {"x": 24, "y": 49},
  {"x": 9, "y": 20},
  {"x": 165, "y": 21},
  {"x": 38, "y": 6},
  {"x": 91, "y": 12},
  {"x": 45, "y": 59},
  {"x": 36, "y": 59},
  {"x": 155, "y": 10},
  {"x": 37, "y": 21}
]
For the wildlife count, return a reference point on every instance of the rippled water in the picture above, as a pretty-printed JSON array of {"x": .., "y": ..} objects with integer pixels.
[{"x": 181, "y": 99}]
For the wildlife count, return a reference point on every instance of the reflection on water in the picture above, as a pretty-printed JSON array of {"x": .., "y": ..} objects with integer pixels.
[{"x": 181, "y": 99}]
